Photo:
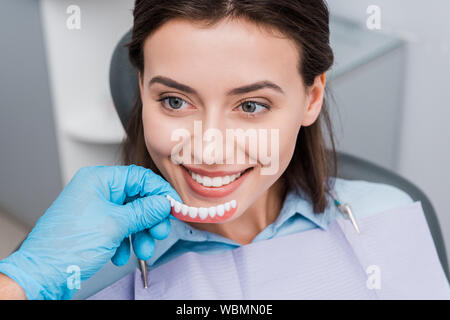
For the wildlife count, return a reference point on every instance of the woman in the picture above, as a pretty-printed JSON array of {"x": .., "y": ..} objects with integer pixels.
[{"x": 245, "y": 67}]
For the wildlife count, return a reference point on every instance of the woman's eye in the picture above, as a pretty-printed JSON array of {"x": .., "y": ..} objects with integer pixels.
[
  {"x": 252, "y": 107},
  {"x": 174, "y": 103}
]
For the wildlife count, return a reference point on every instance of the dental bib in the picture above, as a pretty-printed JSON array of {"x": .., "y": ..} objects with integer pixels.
[{"x": 393, "y": 257}]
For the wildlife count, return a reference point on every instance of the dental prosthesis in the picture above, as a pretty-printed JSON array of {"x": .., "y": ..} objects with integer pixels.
[{"x": 207, "y": 215}]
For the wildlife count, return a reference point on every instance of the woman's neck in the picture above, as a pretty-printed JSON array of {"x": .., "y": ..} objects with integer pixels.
[{"x": 263, "y": 212}]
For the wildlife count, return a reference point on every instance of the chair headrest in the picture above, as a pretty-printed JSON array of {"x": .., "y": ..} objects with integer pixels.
[{"x": 123, "y": 80}]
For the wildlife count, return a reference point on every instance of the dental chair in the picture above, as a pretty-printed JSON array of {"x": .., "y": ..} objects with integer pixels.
[{"x": 124, "y": 89}]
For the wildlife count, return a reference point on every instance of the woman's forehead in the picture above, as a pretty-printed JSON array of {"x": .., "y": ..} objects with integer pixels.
[{"x": 235, "y": 49}]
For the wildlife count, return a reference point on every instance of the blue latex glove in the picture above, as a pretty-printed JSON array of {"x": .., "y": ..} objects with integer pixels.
[{"x": 89, "y": 224}]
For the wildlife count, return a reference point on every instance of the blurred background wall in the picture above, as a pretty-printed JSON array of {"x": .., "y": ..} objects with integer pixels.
[
  {"x": 424, "y": 148},
  {"x": 30, "y": 177},
  {"x": 56, "y": 113}
]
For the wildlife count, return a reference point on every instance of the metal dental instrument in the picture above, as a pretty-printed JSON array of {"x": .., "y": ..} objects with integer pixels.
[
  {"x": 346, "y": 210},
  {"x": 143, "y": 264},
  {"x": 143, "y": 267}
]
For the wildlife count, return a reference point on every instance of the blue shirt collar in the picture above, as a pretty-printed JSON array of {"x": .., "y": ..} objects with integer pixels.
[{"x": 296, "y": 204}]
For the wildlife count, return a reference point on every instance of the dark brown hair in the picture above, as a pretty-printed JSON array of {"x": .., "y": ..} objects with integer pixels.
[{"x": 304, "y": 21}]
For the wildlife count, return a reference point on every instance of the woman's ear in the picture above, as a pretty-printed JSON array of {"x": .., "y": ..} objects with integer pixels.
[{"x": 314, "y": 103}]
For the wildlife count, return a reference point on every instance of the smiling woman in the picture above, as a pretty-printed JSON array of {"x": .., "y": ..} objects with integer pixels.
[{"x": 234, "y": 65}]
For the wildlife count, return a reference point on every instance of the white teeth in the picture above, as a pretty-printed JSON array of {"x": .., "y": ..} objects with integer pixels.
[
  {"x": 214, "y": 181},
  {"x": 193, "y": 212},
  {"x": 217, "y": 182},
  {"x": 198, "y": 178},
  {"x": 185, "y": 209},
  {"x": 177, "y": 206},
  {"x": 202, "y": 212},
  {"x": 220, "y": 210},
  {"x": 207, "y": 182},
  {"x": 212, "y": 211}
]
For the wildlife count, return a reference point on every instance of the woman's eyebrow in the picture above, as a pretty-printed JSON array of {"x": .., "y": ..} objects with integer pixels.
[{"x": 236, "y": 91}]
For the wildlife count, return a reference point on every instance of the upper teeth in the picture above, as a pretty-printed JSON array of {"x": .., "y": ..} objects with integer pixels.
[
  {"x": 214, "y": 181},
  {"x": 203, "y": 213}
]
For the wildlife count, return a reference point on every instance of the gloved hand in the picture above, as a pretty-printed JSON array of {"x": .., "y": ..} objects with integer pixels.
[{"x": 89, "y": 224}]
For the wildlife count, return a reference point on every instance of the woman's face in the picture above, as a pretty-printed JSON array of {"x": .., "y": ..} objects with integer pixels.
[{"x": 187, "y": 89}]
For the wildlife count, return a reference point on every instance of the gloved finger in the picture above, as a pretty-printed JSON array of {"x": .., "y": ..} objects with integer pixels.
[
  {"x": 144, "y": 213},
  {"x": 122, "y": 255},
  {"x": 133, "y": 181},
  {"x": 161, "y": 230},
  {"x": 143, "y": 245}
]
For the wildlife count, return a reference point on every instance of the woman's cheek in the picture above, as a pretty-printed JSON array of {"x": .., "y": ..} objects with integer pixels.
[
  {"x": 157, "y": 130},
  {"x": 288, "y": 135},
  {"x": 286, "y": 124}
]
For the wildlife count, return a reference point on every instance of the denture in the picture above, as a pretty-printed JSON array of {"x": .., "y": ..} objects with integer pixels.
[{"x": 209, "y": 214}]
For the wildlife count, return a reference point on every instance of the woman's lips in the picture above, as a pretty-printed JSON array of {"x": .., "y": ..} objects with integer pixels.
[
  {"x": 211, "y": 173},
  {"x": 214, "y": 192}
]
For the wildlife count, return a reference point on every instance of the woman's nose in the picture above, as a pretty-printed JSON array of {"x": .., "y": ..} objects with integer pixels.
[
  {"x": 214, "y": 118},
  {"x": 210, "y": 143}
]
